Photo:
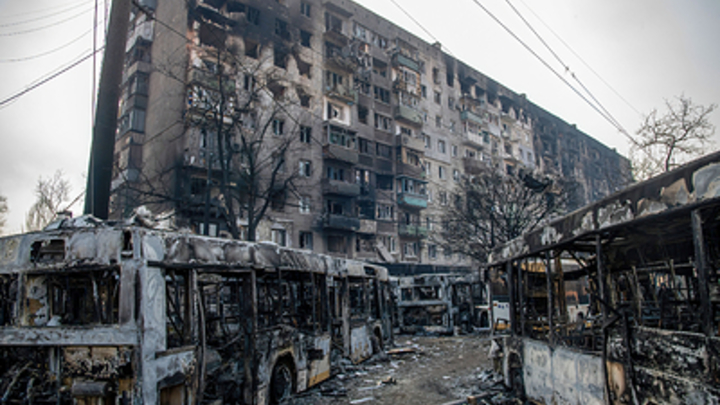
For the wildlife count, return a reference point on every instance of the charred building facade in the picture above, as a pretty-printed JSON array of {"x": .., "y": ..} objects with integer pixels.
[{"x": 383, "y": 126}]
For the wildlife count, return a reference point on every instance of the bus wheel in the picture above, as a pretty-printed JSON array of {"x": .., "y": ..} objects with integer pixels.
[{"x": 281, "y": 384}]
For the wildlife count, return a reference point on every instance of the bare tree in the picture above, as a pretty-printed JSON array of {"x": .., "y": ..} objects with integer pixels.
[
  {"x": 665, "y": 140},
  {"x": 492, "y": 208},
  {"x": 52, "y": 197},
  {"x": 3, "y": 213}
]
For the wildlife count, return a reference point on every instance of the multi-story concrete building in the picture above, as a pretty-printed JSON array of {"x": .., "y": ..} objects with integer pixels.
[{"x": 386, "y": 124}]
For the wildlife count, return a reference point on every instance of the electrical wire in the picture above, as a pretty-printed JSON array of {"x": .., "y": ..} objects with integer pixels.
[
  {"x": 44, "y": 9},
  {"x": 559, "y": 76},
  {"x": 47, "y": 52},
  {"x": 587, "y": 65},
  {"x": 12, "y": 24},
  {"x": 47, "y": 79},
  {"x": 53, "y": 24},
  {"x": 565, "y": 65},
  {"x": 421, "y": 26}
]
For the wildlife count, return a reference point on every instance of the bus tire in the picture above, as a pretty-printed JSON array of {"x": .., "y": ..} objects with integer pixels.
[{"x": 282, "y": 382}]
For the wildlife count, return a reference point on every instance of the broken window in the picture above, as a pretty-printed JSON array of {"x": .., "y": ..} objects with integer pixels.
[
  {"x": 279, "y": 236},
  {"x": 363, "y": 114},
  {"x": 252, "y": 49},
  {"x": 381, "y": 94},
  {"x": 280, "y": 56},
  {"x": 305, "y": 134},
  {"x": 212, "y": 36},
  {"x": 358, "y": 298},
  {"x": 73, "y": 299},
  {"x": 177, "y": 308},
  {"x": 305, "y": 38},
  {"x": 281, "y": 29},
  {"x": 304, "y": 68},
  {"x": 333, "y": 23},
  {"x": 306, "y": 240}
]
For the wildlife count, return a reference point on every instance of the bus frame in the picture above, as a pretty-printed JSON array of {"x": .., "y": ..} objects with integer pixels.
[{"x": 94, "y": 313}]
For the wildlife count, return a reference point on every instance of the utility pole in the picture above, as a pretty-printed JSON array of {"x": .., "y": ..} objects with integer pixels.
[{"x": 97, "y": 194}]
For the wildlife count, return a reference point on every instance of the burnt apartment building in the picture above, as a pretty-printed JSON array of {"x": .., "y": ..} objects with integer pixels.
[{"x": 384, "y": 125}]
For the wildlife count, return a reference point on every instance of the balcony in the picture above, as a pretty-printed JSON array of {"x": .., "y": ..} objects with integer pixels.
[
  {"x": 341, "y": 222},
  {"x": 144, "y": 31},
  {"x": 413, "y": 231},
  {"x": 412, "y": 171},
  {"x": 410, "y": 142},
  {"x": 401, "y": 60},
  {"x": 337, "y": 187},
  {"x": 412, "y": 200},
  {"x": 473, "y": 138},
  {"x": 368, "y": 226},
  {"x": 337, "y": 152},
  {"x": 341, "y": 93},
  {"x": 408, "y": 115},
  {"x": 468, "y": 115},
  {"x": 212, "y": 81},
  {"x": 341, "y": 58},
  {"x": 473, "y": 166}
]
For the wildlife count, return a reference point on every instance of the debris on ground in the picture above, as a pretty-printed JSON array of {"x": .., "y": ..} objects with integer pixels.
[{"x": 423, "y": 370}]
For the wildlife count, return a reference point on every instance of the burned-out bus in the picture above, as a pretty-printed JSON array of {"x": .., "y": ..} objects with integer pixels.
[
  {"x": 93, "y": 313},
  {"x": 441, "y": 303},
  {"x": 646, "y": 261}
]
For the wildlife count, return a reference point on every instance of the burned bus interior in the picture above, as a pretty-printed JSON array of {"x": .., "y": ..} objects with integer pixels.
[
  {"x": 118, "y": 313},
  {"x": 619, "y": 302}
]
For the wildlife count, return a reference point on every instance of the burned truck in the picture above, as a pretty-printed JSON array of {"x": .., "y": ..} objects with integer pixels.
[
  {"x": 98, "y": 313},
  {"x": 649, "y": 257}
]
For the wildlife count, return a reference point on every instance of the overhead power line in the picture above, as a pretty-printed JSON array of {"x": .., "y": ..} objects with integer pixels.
[
  {"x": 47, "y": 79},
  {"x": 44, "y": 9},
  {"x": 420, "y": 25},
  {"x": 12, "y": 24},
  {"x": 53, "y": 24},
  {"x": 559, "y": 76},
  {"x": 26, "y": 58},
  {"x": 564, "y": 65},
  {"x": 587, "y": 65}
]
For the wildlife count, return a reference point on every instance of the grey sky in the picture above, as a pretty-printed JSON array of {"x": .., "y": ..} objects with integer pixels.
[{"x": 648, "y": 50}]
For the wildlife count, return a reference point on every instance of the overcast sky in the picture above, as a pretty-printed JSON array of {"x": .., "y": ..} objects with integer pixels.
[{"x": 646, "y": 50}]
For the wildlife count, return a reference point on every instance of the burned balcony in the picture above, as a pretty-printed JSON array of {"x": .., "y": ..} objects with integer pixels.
[
  {"x": 337, "y": 152},
  {"x": 473, "y": 166},
  {"x": 408, "y": 115},
  {"x": 340, "y": 57},
  {"x": 468, "y": 115},
  {"x": 338, "y": 187},
  {"x": 410, "y": 142},
  {"x": 401, "y": 60},
  {"x": 412, "y": 230},
  {"x": 341, "y": 92},
  {"x": 341, "y": 222},
  {"x": 410, "y": 170},
  {"x": 212, "y": 81}
]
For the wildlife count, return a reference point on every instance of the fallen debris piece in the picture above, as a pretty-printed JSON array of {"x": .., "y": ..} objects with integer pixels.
[
  {"x": 362, "y": 400},
  {"x": 403, "y": 350},
  {"x": 389, "y": 380}
]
